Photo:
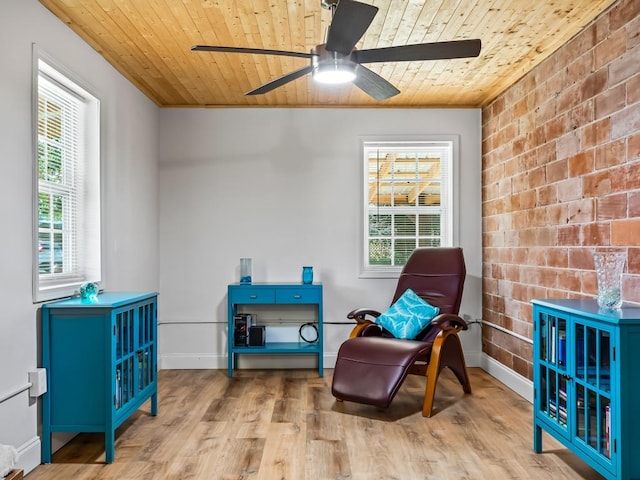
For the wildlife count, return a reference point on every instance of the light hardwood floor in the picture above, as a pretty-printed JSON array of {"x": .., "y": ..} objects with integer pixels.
[{"x": 276, "y": 424}]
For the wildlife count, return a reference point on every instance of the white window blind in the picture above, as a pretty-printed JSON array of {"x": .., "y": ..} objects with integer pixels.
[
  {"x": 59, "y": 176},
  {"x": 67, "y": 171},
  {"x": 408, "y": 200}
]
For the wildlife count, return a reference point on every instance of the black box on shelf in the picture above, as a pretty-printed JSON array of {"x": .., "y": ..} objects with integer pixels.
[
  {"x": 256, "y": 336},
  {"x": 242, "y": 322}
]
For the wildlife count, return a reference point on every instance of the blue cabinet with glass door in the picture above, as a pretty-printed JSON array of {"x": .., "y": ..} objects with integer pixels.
[
  {"x": 100, "y": 356},
  {"x": 586, "y": 382}
]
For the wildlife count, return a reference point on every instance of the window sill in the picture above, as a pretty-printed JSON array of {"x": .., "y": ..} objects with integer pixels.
[{"x": 387, "y": 273}]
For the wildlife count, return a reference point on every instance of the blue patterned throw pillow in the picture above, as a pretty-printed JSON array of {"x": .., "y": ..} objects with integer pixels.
[{"x": 407, "y": 316}]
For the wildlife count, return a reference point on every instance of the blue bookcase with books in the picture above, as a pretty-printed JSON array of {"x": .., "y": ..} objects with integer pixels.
[
  {"x": 100, "y": 355},
  {"x": 585, "y": 382}
]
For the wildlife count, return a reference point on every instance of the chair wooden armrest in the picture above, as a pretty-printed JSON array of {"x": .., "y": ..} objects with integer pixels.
[
  {"x": 449, "y": 320},
  {"x": 359, "y": 315}
]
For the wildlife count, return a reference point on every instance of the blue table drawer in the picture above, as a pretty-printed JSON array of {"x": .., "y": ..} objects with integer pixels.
[
  {"x": 298, "y": 295},
  {"x": 249, "y": 295}
]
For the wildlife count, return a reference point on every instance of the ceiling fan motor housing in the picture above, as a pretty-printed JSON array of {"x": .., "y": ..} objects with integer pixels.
[{"x": 331, "y": 67}]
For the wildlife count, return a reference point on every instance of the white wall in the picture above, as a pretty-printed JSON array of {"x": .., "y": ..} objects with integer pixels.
[
  {"x": 129, "y": 145},
  {"x": 283, "y": 186}
]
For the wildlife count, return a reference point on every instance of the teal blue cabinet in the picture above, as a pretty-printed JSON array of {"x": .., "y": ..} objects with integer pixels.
[
  {"x": 100, "y": 356},
  {"x": 275, "y": 296},
  {"x": 587, "y": 383}
]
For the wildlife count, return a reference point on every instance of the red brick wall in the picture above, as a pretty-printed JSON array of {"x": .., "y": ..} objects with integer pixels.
[{"x": 560, "y": 176}]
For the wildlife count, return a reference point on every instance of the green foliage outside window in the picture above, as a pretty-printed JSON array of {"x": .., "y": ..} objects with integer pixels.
[{"x": 50, "y": 172}]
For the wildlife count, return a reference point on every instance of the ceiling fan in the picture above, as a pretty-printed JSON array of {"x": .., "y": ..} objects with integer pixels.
[{"x": 337, "y": 60}]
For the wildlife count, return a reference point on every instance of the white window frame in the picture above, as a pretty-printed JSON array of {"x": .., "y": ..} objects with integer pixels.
[
  {"x": 450, "y": 196},
  {"x": 81, "y": 237}
]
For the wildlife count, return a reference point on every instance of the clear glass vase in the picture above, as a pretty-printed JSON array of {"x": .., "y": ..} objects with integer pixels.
[
  {"x": 245, "y": 270},
  {"x": 609, "y": 266}
]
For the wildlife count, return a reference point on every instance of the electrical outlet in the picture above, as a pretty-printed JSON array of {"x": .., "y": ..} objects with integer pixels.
[{"x": 38, "y": 380}]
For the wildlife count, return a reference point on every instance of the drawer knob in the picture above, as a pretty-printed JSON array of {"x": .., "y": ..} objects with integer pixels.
[
  {"x": 297, "y": 297},
  {"x": 253, "y": 297}
]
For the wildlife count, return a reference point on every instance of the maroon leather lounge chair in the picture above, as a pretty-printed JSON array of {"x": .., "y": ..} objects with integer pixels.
[{"x": 372, "y": 364}]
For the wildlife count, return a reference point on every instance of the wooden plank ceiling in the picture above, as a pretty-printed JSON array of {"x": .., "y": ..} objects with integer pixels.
[{"x": 149, "y": 42}]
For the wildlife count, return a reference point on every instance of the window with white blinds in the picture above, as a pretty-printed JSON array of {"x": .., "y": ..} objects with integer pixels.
[
  {"x": 67, "y": 179},
  {"x": 409, "y": 201}
]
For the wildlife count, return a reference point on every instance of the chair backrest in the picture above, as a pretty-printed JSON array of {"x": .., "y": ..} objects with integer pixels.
[{"x": 435, "y": 274}]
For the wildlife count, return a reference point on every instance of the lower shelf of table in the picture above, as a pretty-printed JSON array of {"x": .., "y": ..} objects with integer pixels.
[
  {"x": 277, "y": 348},
  {"x": 280, "y": 347}
]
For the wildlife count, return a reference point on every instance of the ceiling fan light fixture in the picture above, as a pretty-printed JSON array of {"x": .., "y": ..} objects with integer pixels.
[
  {"x": 338, "y": 61},
  {"x": 334, "y": 73},
  {"x": 331, "y": 67}
]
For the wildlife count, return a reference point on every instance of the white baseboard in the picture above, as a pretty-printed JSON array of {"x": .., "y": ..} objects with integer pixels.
[
  {"x": 187, "y": 361},
  {"x": 516, "y": 382},
  {"x": 218, "y": 362},
  {"x": 329, "y": 359},
  {"x": 473, "y": 359},
  {"x": 60, "y": 439},
  {"x": 29, "y": 455}
]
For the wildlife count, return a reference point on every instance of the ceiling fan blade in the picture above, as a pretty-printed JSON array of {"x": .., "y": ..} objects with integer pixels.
[
  {"x": 373, "y": 84},
  {"x": 350, "y": 20},
  {"x": 278, "y": 82},
  {"x": 210, "y": 48},
  {"x": 420, "y": 51}
]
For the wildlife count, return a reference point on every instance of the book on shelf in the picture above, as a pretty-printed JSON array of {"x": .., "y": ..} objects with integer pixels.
[
  {"x": 557, "y": 345},
  {"x": 607, "y": 431},
  {"x": 562, "y": 349},
  {"x": 562, "y": 393},
  {"x": 553, "y": 343},
  {"x": 553, "y": 411}
]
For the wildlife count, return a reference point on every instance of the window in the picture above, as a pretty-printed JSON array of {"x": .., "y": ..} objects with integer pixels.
[
  {"x": 408, "y": 187},
  {"x": 67, "y": 185}
]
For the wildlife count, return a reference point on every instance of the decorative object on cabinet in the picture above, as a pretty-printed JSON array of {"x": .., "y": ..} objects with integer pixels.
[
  {"x": 372, "y": 365},
  {"x": 288, "y": 297},
  {"x": 245, "y": 270},
  {"x": 609, "y": 265},
  {"x": 307, "y": 275},
  {"x": 101, "y": 361},
  {"x": 89, "y": 290},
  {"x": 586, "y": 390}
]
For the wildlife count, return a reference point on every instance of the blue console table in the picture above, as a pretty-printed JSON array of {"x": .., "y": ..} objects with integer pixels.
[
  {"x": 281, "y": 294},
  {"x": 100, "y": 358},
  {"x": 585, "y": 379}
]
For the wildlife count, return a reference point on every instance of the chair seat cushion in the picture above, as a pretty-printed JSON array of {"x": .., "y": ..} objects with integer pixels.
[
  {"x": 370, "y": 370},
  {"x": 407, "y": 316}
]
